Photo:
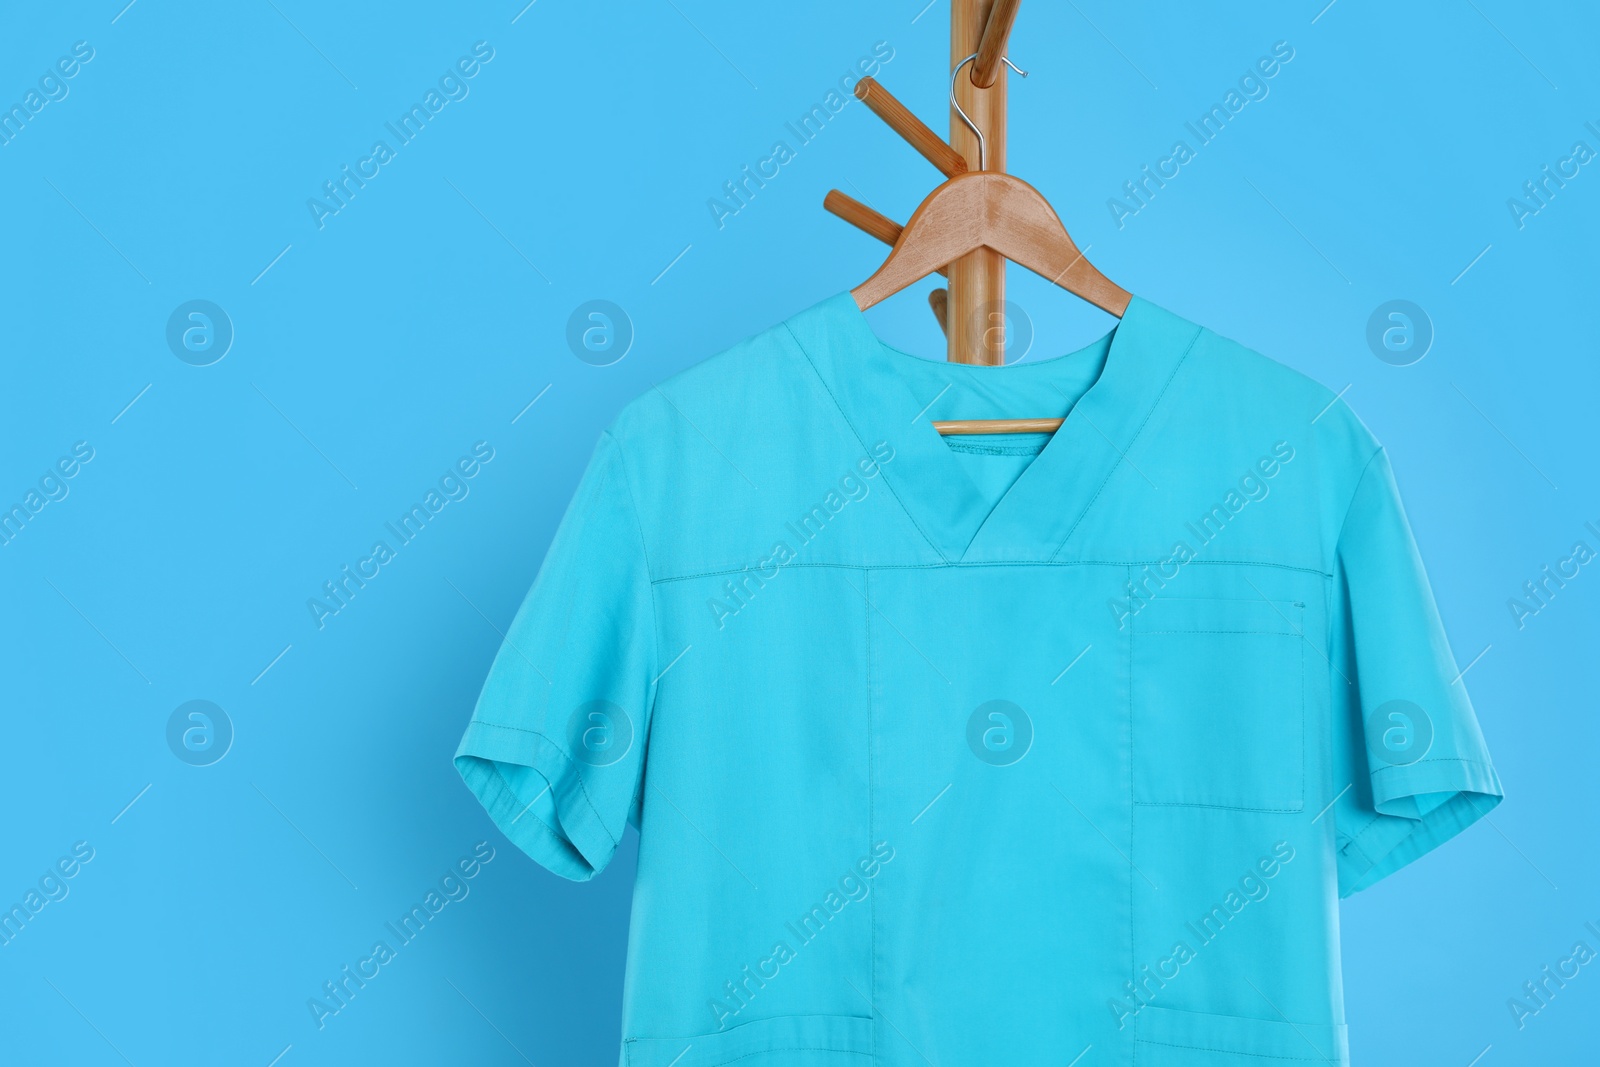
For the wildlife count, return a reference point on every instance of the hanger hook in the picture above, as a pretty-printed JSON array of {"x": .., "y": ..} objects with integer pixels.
[{"x": 970, "y": 124}]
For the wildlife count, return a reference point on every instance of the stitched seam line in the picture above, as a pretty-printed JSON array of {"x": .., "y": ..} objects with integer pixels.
[
  {"x": 1300, "y": 618},
  {"x": 872, "y": 803},
  {"x": 1236, "y": 1052},
  {"x": 1440, "y": 759},
  {"x": 1225, "y": 807},
  {"x": 1255, "y": 633},
  {"x": 1352, "y": 838},
  {"x": 993, "y": 450},
  {"x": 1360, "y": 481},
  {"x": 765, "y": 1051},
  {"x": 655, "y": 616},
  {"x": 1003, "y": 563},
  {"x": 1133, "y": 810}
]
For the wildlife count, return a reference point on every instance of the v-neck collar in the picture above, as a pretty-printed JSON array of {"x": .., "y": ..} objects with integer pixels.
[{"x": 1036, "y": 517}]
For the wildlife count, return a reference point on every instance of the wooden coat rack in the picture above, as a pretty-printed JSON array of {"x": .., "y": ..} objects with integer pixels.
[{"x": 971, "y": 309}]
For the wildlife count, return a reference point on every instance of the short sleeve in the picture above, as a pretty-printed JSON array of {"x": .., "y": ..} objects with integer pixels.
[
  {"x": 1408, "y": 751},
  {"x": 555, "y": 749}
]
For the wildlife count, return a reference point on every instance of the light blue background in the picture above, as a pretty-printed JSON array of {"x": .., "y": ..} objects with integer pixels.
[{"x": 427, "y": 314}]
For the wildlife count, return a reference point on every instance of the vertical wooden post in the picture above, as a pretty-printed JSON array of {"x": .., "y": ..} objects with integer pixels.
[{"x": 976, "y": 315}]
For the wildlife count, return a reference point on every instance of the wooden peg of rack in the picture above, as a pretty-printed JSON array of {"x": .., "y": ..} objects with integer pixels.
[
  {"x": 915, "y": 132},
  {"x": 992, "y": 48},
  {"x": 862, "y": 217},
  {"x": 939, "y": 301}
]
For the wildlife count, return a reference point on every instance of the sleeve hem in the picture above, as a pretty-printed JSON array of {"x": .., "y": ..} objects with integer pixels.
[
  {"x": 579, "y": 845},
  {"x": 1394, "y": 786},
  {"x": 1403, "y": 831}
]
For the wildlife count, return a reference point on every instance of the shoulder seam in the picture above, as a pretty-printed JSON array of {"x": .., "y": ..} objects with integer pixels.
[
  {"x": 644, "y": 546},
  {"x": 1345, "y": 518}
]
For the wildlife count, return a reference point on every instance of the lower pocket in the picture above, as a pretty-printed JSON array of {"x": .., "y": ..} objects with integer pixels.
[
  {"x": 786, "y": 1041},
  {"x": 1168, "y": 1038}
]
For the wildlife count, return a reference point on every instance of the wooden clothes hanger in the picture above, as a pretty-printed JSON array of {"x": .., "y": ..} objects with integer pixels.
[
  {"x": 972, "y": 210},
  {"x": 1004, "y": 213},
  {"x": 984, "y": 209}
]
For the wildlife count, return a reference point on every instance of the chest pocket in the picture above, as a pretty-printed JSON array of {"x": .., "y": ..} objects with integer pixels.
[{"x": 1218, "y": 715}]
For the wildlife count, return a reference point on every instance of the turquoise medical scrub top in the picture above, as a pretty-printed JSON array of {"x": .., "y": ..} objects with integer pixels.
[{"x": 982, "y": 750}]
